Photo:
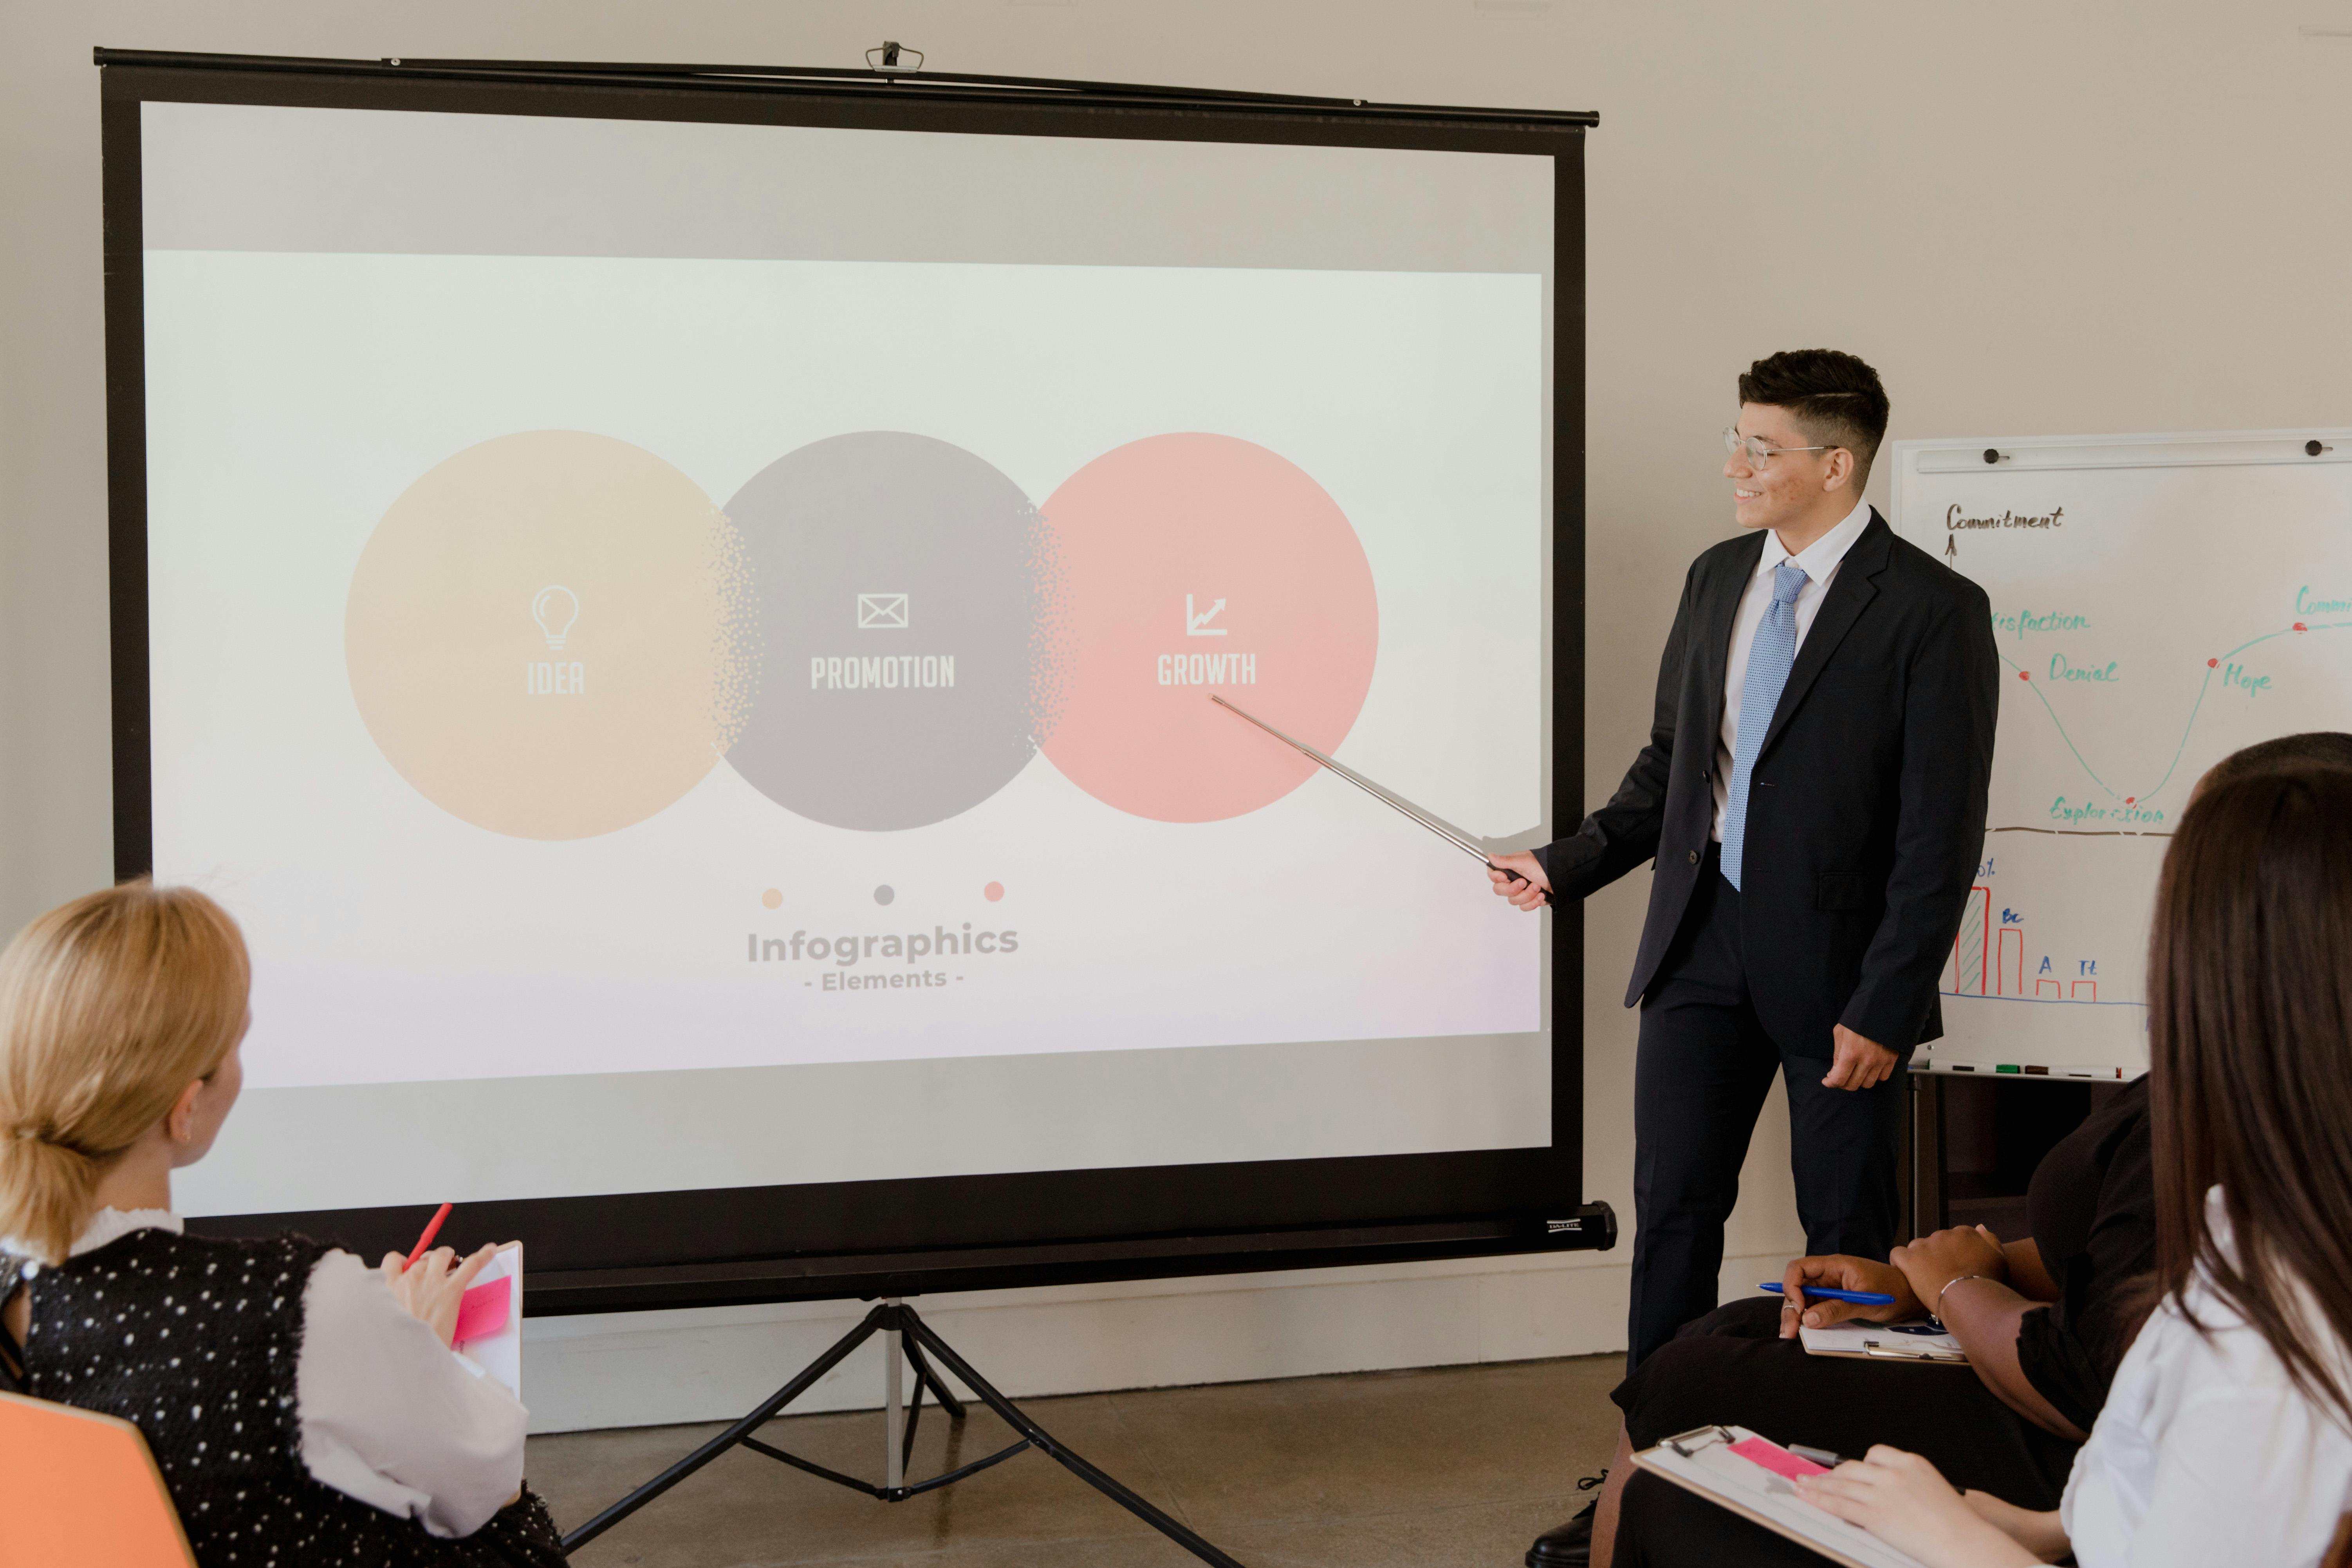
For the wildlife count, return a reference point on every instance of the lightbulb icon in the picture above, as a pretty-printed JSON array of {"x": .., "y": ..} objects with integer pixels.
[{"x": 555, "y": 607}]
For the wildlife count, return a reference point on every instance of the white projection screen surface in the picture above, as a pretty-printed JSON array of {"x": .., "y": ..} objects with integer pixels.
[{"x": 686, "y": 643}]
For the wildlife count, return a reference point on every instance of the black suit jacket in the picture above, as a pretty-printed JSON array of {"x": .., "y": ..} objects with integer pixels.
[{"x": 1866, "y": 813}]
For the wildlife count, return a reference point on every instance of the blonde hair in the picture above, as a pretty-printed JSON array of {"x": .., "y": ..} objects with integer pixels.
[{"x": 109, "y": 1007}]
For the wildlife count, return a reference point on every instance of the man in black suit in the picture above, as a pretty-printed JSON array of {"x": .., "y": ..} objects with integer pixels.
[{"x": 1809, "y": 879}]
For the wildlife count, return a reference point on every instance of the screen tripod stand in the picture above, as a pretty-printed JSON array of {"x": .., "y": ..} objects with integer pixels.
[{"x": 900, "y": 1327}]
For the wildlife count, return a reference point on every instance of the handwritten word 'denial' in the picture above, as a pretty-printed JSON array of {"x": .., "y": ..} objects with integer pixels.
[
  {"x": 2060, "y": 670},
  {"x": 2053, "y": 518}
]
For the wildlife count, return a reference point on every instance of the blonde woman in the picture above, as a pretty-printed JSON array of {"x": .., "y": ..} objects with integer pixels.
[{"x": 301, "y": 1407}]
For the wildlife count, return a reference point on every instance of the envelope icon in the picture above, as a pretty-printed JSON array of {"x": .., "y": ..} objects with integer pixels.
[{"x": 876, "y": 612}]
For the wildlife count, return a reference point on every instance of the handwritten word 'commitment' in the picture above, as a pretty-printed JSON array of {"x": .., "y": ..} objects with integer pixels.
[{"x": 2051, "y": 518}]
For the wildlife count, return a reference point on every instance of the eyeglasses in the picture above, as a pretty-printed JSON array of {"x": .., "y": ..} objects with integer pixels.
[{"x": 1757, "y": 452}]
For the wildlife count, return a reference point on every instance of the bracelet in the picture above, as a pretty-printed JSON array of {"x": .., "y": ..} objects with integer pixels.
[{"x": 1949, "y": 1283}]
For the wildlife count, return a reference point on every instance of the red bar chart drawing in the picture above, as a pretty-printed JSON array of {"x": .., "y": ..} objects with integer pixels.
[
  {"x": 1972, "y": 948},
  {"x": 1989, "y": 960},
  {"x": 2009, "y": 962}
]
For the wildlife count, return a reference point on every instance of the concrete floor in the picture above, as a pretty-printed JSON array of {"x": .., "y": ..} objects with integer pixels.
[{"x": 1454, "y": 1468}]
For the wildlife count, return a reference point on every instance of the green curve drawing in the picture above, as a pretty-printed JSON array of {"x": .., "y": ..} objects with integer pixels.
[{"x": 2187, "y": 729}]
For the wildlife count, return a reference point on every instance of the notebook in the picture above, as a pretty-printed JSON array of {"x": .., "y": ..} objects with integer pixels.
[
  {"x": 489, "y": 1321},
  {"x": 1750, "y": 1475},
  {"x": 1924, "y": 1340}
]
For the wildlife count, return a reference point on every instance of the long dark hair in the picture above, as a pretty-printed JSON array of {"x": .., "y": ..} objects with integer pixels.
[{"x": 2250, "y": 984}]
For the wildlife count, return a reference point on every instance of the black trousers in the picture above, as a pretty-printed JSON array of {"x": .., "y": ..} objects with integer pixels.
[
  {"x": 1703, "y": 1069},
  {"x": 1731, "y": 1367}
]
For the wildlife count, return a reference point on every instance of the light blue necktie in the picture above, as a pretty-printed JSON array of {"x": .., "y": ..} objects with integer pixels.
[{"x": 1770, "y": 657}]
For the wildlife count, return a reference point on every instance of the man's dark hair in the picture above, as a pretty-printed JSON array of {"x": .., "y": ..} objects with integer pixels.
[
  {"x": 1837, "y": 399},
  {"x": 2312, "y": 749}
]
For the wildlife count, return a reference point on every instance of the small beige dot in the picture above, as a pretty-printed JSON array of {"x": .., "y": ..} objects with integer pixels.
[{"x": 773, "y": 897}]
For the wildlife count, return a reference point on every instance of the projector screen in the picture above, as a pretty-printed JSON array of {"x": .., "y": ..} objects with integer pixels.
[{"x": 686, "y": 646}]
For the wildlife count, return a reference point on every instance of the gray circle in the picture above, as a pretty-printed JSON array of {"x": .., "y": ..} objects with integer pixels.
[
  {"x": 899, "y": 580},
  {"x": 883, "y": 895}
]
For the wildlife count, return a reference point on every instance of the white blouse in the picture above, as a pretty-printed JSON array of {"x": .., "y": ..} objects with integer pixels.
[
  {"x": 389, "y": 1415},
  {"x": 2205, "y": 1452}
]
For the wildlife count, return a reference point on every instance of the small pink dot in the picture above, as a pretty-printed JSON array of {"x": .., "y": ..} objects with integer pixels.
[
  {"x": 992, "y": 892},
  {"x": 2212, "y": 664},
  {"x": 2129, "y": 798},
  {"x": 2021, "y": 675}
]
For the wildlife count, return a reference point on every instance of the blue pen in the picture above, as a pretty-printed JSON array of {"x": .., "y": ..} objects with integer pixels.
[{"x": 1859, "y": 1298}]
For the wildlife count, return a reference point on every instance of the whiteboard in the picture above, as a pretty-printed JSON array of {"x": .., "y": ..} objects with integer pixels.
[{"x": 2157, "y": 602}]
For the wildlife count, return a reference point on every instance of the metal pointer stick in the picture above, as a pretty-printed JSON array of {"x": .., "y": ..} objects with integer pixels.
[{"x": 1377, "y": 792}]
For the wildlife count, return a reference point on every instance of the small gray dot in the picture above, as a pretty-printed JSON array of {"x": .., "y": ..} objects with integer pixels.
[{"x": 883, "y": 895}]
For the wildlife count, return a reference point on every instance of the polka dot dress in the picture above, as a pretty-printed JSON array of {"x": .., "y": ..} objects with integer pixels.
[{"x": 193, "y": 1339}]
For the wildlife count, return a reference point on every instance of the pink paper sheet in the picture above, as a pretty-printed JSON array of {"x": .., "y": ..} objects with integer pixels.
[
  {"x": 1765, "y": 1452},
  {"x": 483, "y": 1309}
]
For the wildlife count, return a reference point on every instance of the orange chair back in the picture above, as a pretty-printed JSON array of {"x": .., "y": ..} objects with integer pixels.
[{"x": 79, "y": 1487}]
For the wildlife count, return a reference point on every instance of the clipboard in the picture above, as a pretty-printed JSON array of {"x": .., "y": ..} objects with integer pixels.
[
  {"x": 1922, "y": 1343},
  {"x": 1736, "y": 1468}
]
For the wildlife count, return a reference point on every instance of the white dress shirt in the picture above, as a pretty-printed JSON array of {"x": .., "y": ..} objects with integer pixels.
[
  {"x": 2205, "y": 1452},
  {"x": 389, "y": 1414},
  {"x": 1819, "y": 564}
]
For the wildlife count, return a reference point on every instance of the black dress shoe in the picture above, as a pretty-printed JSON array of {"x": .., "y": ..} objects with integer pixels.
[{"x": 1566, "y": 1546}]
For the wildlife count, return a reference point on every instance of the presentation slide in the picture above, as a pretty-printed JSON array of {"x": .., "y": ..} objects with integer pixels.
[{"x": 688, "y": 647}]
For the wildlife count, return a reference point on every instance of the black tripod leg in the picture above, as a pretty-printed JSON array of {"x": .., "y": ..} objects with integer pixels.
[
  {"x": 923, "y": 1374},
  {"x": 915, "y": 1328},
  {"x": 872, "y": 1323},
  {"x": 914, "y": 1419}
]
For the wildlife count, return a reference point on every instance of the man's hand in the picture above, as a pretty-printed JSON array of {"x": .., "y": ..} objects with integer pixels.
[
  {"x": 1526, "y": 895},
  {"x": 1934, "y": 1261},
  {"x": 1840, "y": 1272},
  {"x": 1860, "y": 1064}
]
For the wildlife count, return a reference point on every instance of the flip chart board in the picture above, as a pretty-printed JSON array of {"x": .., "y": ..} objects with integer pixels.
[{"x": 2158, "y": 602}]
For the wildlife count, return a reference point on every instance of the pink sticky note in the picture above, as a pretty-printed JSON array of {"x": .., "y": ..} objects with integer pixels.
[
  {"x": 482, "y": 1310},
  {"x": 1759, "y": 1451}
]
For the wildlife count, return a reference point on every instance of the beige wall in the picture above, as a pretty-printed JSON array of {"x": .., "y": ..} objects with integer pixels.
[{"x": 2033, "y": 217}]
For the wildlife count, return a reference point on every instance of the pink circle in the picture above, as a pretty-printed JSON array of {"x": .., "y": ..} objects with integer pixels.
[
  {"x": 992, "y": 892},
  {"x": 1194, "y": 563}
]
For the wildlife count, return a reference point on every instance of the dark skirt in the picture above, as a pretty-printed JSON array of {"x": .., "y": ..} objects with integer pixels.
[{"x": 1731, "y": 1367}]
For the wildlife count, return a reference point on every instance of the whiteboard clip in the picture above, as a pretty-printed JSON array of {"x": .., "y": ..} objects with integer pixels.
[
  {"x": 2312, "y": 448},
  {"x": 1993, "y": 454},
  {"x": 889, "y": 52}
]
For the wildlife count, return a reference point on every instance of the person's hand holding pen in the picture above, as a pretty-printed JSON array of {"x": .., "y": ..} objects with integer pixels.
[
  {"x": 1530, "y": 890},
  {"x": 1839, "y": 1272},
  {"x": 431, "y": 1288}
]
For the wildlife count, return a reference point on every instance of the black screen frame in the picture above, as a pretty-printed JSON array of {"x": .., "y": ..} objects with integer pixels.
[{"x": 699, "y": 1247}]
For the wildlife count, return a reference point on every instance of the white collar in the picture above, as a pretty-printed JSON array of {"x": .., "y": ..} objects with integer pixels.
[
  {"x": 1820, "y": 558},
  {"x": 105, "y": 1225}
]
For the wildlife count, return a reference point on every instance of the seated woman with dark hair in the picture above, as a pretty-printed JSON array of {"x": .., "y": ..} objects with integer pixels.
[
  {"x": 2045, "y": 1320},
  {"x": 302, "y": 1407},
  {"x": 2226, "y": 1436}
]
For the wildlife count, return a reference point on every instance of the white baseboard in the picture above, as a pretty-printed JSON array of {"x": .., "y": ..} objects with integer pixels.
[{"x": 648, "y": 1369}]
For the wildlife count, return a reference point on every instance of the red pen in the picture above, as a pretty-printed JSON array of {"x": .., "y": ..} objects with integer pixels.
[{"x": 431, "y": 1230}]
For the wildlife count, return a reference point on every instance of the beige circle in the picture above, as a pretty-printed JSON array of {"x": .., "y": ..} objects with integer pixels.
[{"x": 546, "y": 635}]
